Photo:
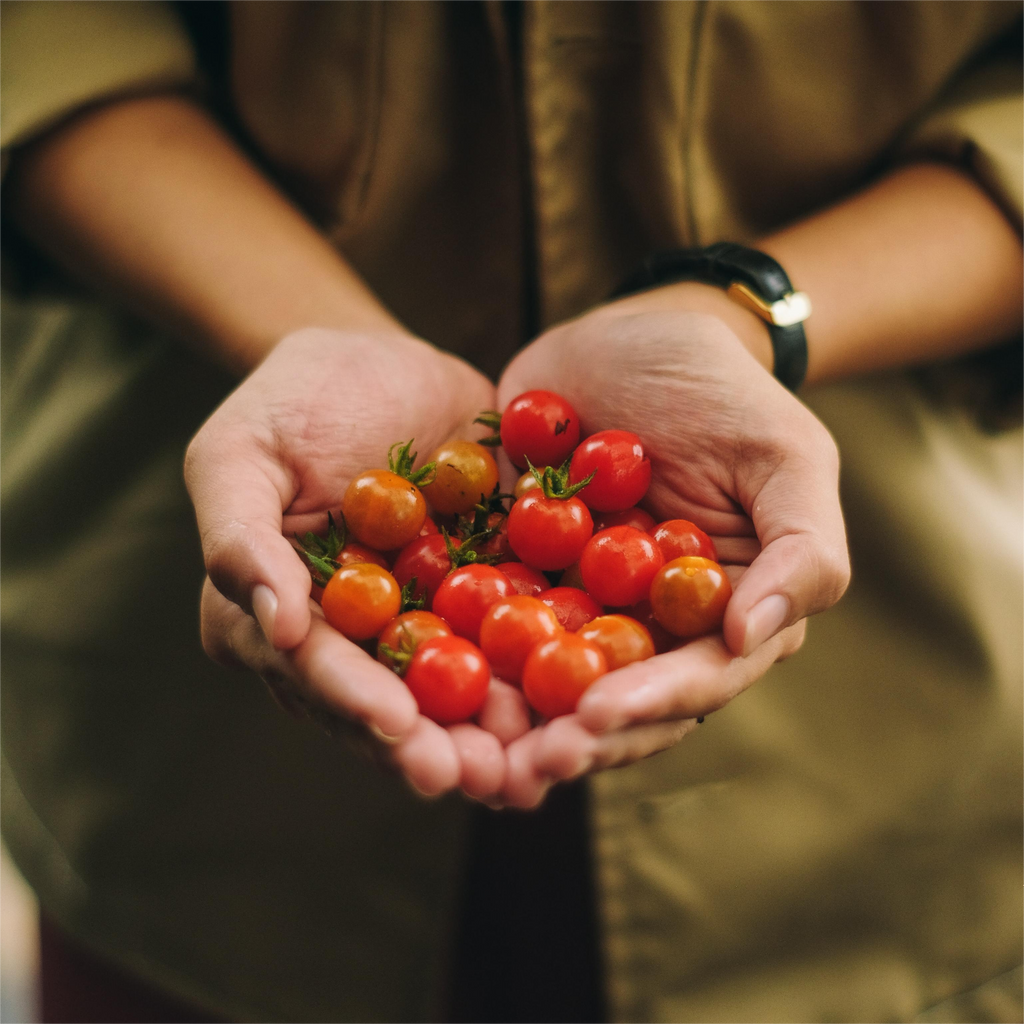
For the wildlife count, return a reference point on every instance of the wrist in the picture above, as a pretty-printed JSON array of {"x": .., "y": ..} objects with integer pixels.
[{"x": 696, "y": 297}]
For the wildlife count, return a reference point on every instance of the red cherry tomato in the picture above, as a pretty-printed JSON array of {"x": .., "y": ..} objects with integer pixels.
[
  {"x": 464, "y": 597},
  {"x": 623, "y": 470},
  {"x": 465, "y": 476},
  {"x": 498, "y": 544},
  {"x": 531, "y": 582},
  {"x": 558, "y": 671},
  {"x": 540, "y": 426},
  {"x": 678, "y": 537},
  {"x": 427, "y": 559},
  {"x": 622, "y": 640},
  {"x": 635, "y": 517},
  {"x": 573, "y": 608},
  {"x": 407, "y": 631},
  {"x": 618, "y": 565},
  {"x": 361, "y": 599},
  {"x": 689, "y": 595},
  {"x": 549, "y": 533},
  {"x": 449, "y": 678},
  {"x": 664, "y": 641},
  {"x": 511, "y": 629},
  {"x": 383, "y": 510}
]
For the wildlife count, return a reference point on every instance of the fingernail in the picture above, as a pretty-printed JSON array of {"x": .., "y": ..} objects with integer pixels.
[
  {"x": 264, "y": 607},
  {"x": 764, "y": 620},
  {"x": 383, "y": 736}
]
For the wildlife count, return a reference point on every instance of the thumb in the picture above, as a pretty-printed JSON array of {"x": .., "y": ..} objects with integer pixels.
[
  {"x": 804, "y": 566},
  {"x": 238, "y": 501}
]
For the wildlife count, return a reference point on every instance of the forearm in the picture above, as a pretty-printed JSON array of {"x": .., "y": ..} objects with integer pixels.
[
  {"x": 921, "y": 266},
  {"x": 149, "y": 199}
]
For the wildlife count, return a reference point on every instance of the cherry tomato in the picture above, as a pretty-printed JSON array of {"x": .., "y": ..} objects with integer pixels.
[
  {"x": 465, "y": 476},
  {"x": 407, "y": 631},
  {"x": 427, "y": 559},
  {"x": 383, "y": 510},
  {"x": 635, "y": 517},
  {"x": 622, "y": 640},
  {"x": 558, "y": 671},
  {"x": 678, "y": 537},
  {"x": 572, "y": 577},
  {"x": 525, "y": 483},
  {"x": 623, "y": 470},
  {"x": 663, "y": 640},
  {"x": 540, "y": 426},
  {"x": 511, "y": 629},
  {"x": 689, "y": 595},
  {"x": 361, "y": 599},
  {"x": 618, "y": 565},
  {"x": 531, "y": 582},
  {"x": 449, "y": 678},
  {"x": 463, "y": 598},
  {"x": 549, "y": 533},
  {"x": 573, "y": 608},
  {"x": 349, "y": 555},
  {"x": 497, "y": 545}
]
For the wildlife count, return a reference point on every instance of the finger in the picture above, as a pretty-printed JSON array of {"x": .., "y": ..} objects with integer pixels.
[
  {"x": 428, "y": 759},
  {"x": 239, "y": 492},
  {"x": 737, "y": 550},
  {"x": 690, "y": 682},
  {"x": 804, "y": 566},
  {"x": 525, "y": 786},
  {"x": 324, "y": 671},
  {"x": 571, "y": 750},
  {"x": 483, "y": 760},
  {"x": 505, "y": 713}
]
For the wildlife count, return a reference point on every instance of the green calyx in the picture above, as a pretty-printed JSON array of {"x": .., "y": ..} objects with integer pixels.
[
  {"x": 490, "y": 418},
  {"x": 398, "y": 658},
  {"x": 411, "y": 603},
  {"x": 322, "y": 552},
  {"x": 401, "y": 464},
  {"x": 477, "y": 525},
  {"x": 554, "y": 483}
]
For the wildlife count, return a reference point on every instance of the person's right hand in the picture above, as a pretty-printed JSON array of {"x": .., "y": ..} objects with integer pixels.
[{"x": 271, "y": 462}]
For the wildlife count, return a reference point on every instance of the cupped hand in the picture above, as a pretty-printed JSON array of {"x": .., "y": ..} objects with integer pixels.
[
  {"x": 734, "y": 452},
  {"x": 270, "y": 462}
]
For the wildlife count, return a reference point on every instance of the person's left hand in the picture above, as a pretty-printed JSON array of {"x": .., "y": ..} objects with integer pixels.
[{"x": 732, "y": 451}]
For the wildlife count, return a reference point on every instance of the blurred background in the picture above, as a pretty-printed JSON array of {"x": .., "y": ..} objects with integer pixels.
[{"x": 19, "y": 947}]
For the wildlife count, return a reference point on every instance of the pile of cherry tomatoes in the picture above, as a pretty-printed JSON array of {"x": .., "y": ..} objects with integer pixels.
[{"x": 476, "y": 587}]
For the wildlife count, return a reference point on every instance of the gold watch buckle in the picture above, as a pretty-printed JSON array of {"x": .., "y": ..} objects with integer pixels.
[{"x": 793, "y": 308}]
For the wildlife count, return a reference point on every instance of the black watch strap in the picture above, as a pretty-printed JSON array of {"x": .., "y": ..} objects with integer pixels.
[{"x": 753, "y": 277}]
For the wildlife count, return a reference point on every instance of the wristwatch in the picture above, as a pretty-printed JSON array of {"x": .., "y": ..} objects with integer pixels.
[{"x": 749, "y": 277}]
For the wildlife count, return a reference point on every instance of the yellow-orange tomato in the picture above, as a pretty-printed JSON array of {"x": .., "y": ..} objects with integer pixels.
[
  {"x": 525, "y": 483},
  {"x": 558, "y": 671},
  {"x": 511, "y": 629},
  {"x": 689, "y": 595},
  {"x": 383, "y": 510},
  {"x": 407, "y": 631},
  {"x": 361, "y": 599},
  {"x": 466, "y": 475},
  {"x": 622, "y": 640}
]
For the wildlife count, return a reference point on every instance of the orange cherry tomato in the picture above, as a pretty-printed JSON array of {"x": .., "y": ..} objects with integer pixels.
[
  {"x": 511, "y": 629},
  {"x": 622, "y": 640},
  {"x": 349, "y": 555},
  {"x": 689, "y": 595},
  {"x": 525, "y": 483},
  {"x": 383, "y": 510},
  {"x": 407, "y": 631},
  {"x": 558, "y": 671},
  {"x": 361, "y": 599},
  {"x": 465, "y": 476}
]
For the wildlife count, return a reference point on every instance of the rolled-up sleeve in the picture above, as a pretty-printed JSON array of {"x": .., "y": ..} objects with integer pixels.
[
  {"x": 979, "y": 124},
  {"x": 57, "y": 56}
]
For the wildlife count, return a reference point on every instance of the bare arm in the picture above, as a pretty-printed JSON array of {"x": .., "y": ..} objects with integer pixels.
[{"x": 150, "y": 199}]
